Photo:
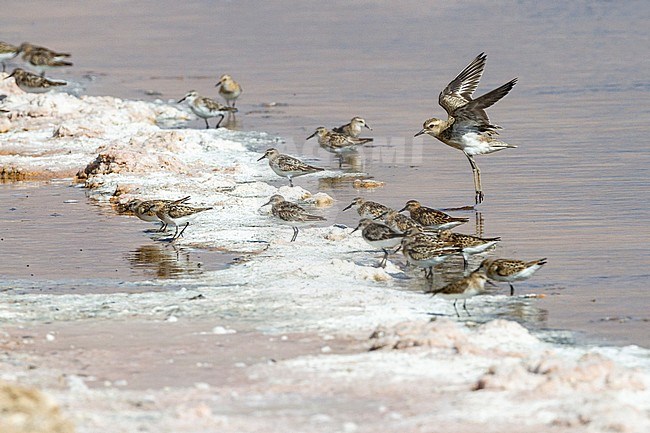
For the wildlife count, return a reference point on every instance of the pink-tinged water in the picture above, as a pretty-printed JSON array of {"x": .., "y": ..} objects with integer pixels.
[{"x": 576, "y": 190}]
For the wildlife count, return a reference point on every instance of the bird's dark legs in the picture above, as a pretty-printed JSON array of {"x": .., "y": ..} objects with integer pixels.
[
  {"x": 477, "y": 179},
  {"x": 181, "y": 233},
  {"x": 455, "y": 309},
  {"x": 163, "y": 226},
  {"x": 219, "y": 122},
  {"x": 512, "y": 289},
  {"x": 465, "y": 306},
  {"x": 290, "y": 182},
  {"x": 465, "y": 263},
  {"x": 295, "y": 234},
  {"x": 382, "y": 264},
  {"x": 207, "y": 126}
]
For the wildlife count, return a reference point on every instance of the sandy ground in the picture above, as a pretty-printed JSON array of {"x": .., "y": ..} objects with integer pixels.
[{"x": 307, "y": 336}]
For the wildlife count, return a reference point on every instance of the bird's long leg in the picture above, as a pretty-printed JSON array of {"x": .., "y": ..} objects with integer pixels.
[
  {"x": 382, "y": 264},
  {"x": 175, "y": 233},
  {"x": 163, "y": 226},
  {"x": 455, "y": 309},
  {"x": 465, "y": 264},
  {"x": 207, "y": 126},
  {"x": 295, "y": 234},
  {"x": 477, "y": 179},
  {"x": 219, "y": 122},
  {"x": 465, "y": 307},
  {"x": 512, "y": 289},
  {"x": 181, "y": 233},
  {"x": 290, "y": 181}
]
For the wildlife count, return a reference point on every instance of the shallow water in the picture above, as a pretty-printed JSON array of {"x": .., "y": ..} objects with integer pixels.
[
  {"x": 575, "y": 191},
  {"x": 55, "y": 240}
]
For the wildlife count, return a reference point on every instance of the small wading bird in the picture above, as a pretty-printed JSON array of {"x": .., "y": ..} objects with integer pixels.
[
  {"x": 206, "y": 108},
  {"x": 146, "y": 210},
  {"x": 33, "y": 83},
  {"x": 468, "y": 127},
  {"x": 510, "y": 270},
  {"x": 379, "y": 236},
  {"x": 469, "y": 244},
  {"x": 290, "y": 213},
  {"x": 7, "y": 52},
  {"x": 177, "y": 213},
  {"x": 229, "y": 89},
  {"x": 44, "y": 59},
  {"x": 432, "y": 218},
  {"x": 466, "y": 287},
  {"x": 367, "y": 208},
  {"x": 353, "y": 128},
  {"x": 26, "y": 47},
  {"x": 288, "y": 166},
  {"x": 336, "y": 143},
  {"x": 426, "y": 251}
]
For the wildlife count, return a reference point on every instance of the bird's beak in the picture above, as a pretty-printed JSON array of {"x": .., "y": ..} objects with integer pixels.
[
  {"x": 380, "y": 216},
  {"x": 422, "y": 131},
  {"x": 10, "y": 75},
  {"x": 347, "y": 207},
  {"x": 354, "y": 230},
  {"x": 263, "y": 156},
  {"x": 218, "y": 84},
  {"x": 366, "y": 125},
  {"x": 267, "y": 203},
  {"x": 402, "y": 209},
  {"x": 311, "y": 136},
  {"x": 181, "y": 100}
]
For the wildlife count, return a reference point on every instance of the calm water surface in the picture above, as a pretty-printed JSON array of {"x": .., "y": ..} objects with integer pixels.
[{"x": 576, "y": 190}]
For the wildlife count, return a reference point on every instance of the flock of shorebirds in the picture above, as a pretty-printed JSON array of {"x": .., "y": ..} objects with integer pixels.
[{"x": 424, "y": 237}]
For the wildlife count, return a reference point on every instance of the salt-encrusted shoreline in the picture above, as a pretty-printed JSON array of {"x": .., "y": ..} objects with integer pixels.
[{"x": 419, "y": 376}]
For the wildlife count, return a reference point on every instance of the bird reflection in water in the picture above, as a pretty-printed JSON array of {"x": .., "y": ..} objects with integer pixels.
[{"x": 167, "y": 261}]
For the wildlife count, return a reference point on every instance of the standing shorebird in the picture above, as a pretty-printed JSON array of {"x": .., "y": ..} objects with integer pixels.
[
  {"x": 229, "y": 89},
  {"x": 353, "y": 128},
  {"x": 288, "y": 166},
  {"x": 33, "y": 83},
  {"x": 429, "y": 217},
  {"x": 426, "y": 251},
  {"x": 336, "y": 143},
  {"x": 206, "y": 108},
  {"x": 379, "y": 236},
  {"x": 44, "y": 59},
  {"x": 26, "y": 47},
  {"x": 146, "y": 210},
  {"x": 466, "y": 287},
  {"x": 469, "y": 244},
  {"x": 367, "y": 208},
  {"x": 7, "y": 52},
  {"x": 468, "y": 127},
  {"x": 177, "y": 214},
  {"x": 400, "y": 222},
  {"x": 290, "y": 213},
  {"x": 510, "y": 270}
]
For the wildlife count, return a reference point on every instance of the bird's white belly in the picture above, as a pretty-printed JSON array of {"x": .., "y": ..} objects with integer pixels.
[{"x": 475, "y": 144}]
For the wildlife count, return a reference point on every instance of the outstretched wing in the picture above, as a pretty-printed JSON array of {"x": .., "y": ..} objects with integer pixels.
[
  {"x": 459, "y": 91},
  {"x": 473, "y": 113}
]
